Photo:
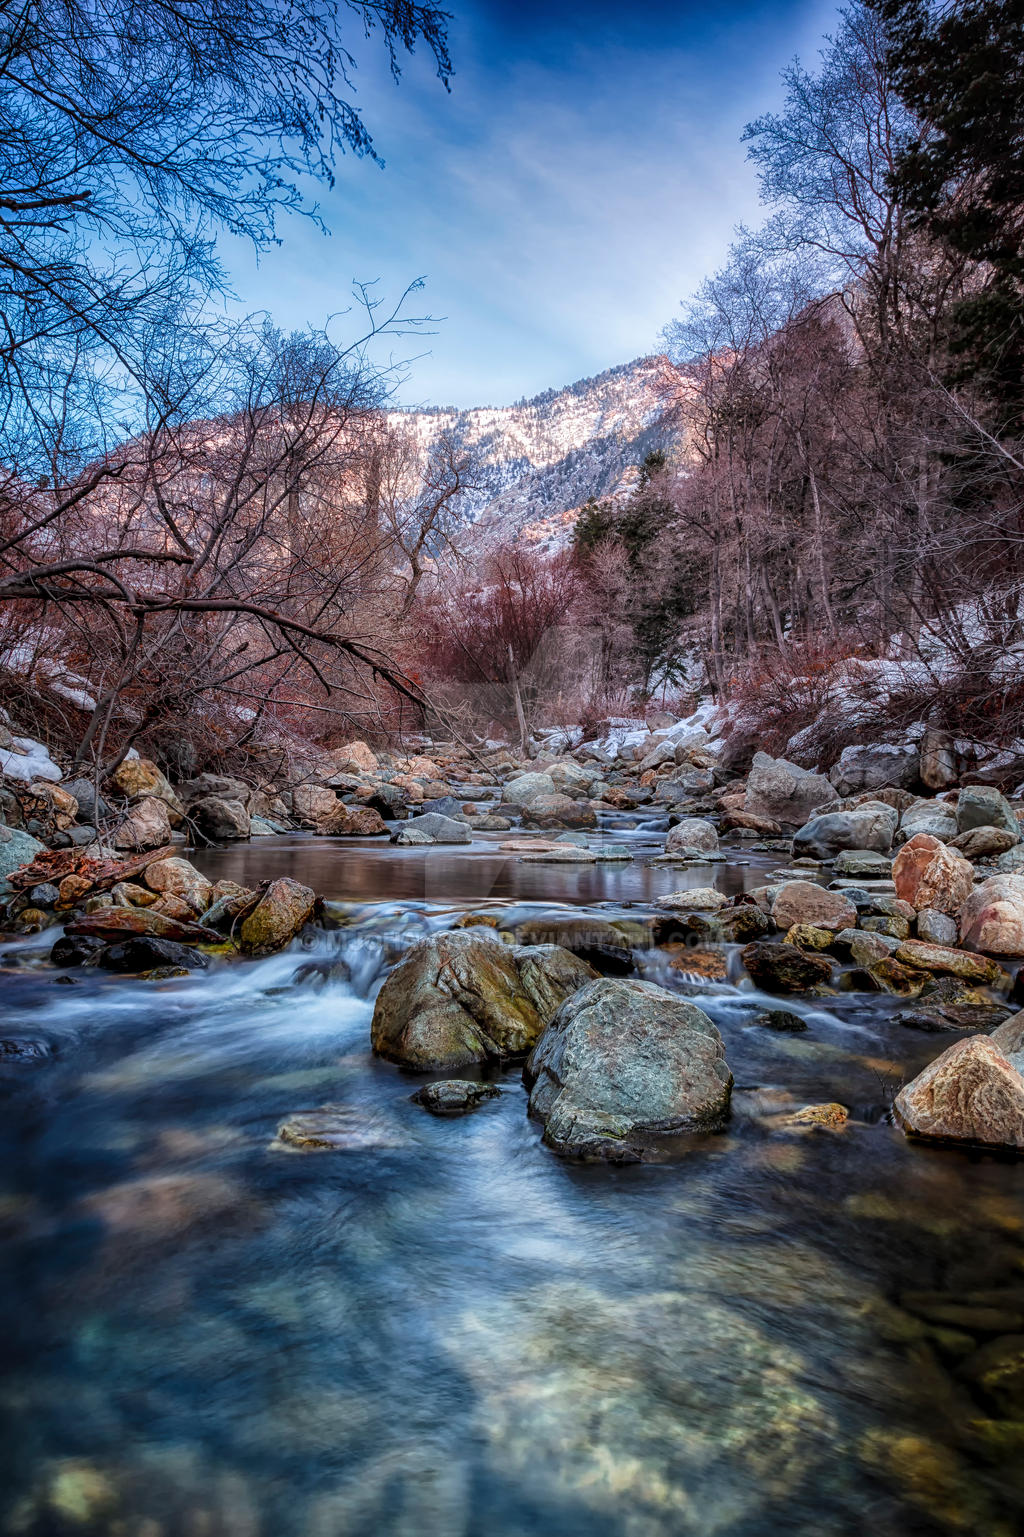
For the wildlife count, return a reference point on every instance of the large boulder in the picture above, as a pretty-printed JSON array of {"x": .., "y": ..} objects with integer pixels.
[
  {"x": 972, "y": 1093},
  {"x": 983, "y": 806},
  {"x": 137, "y": 778},
  {"x": 278, "y": 916},
  {"x": 692, "y": 833},
  {"x": 464, "y": 997},
  {"x": 784, "y": 792},
  {"x": 992, "y": 917},
  {"x": 220, "y": 820},
  {"x": 621, "y": 1063},
  {"x": 352, "y": 758},
  {"x": 146, "y": 826},
  {"x": 871, "y": 825},
  {"x": 926, "y": 873},
  {"x": 984, "y": 842},
  {"x": 318, "y": 808},
  {"x": 805, "y": 902},
  {"x": 526, "y": 788},
  {"x": 558, "y": 811},
  {"x": 569, "y": 778},
  {"x": 874, "y": 764}
]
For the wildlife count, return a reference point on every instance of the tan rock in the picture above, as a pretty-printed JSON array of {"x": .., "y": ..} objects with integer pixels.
[
  {"x": 138, "y": 778},
  {"x": 955, "y": 963},
  {"x": 48, "y": 803},
  {"x": 992, "y": 917},
  {"x": 927, "y": 873},
  {"x": 147, "y": 825},
  {"x": 830, "y": 1115},
  {"x": 277, "y": 918},
  {"x": 72, "y": 888},
  {"x": 807, "y": 937},
  {"x": 804, "y": 902},
  {"x": 176, "y": 877},
  {"x": 971, "y": 1093},
  {"x": 354, "y": 758}
]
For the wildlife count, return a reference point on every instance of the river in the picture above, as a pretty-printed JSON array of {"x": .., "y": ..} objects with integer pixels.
[{"x": 443, "y": 1330}]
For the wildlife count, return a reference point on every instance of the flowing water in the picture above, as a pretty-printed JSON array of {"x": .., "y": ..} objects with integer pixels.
[{"x": 441, "y": 1330}]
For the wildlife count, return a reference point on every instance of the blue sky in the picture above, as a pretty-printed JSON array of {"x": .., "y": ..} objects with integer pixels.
[{"x": 581, "y": 178}]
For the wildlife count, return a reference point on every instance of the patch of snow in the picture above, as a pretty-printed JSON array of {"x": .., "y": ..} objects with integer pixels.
[{"x": 35, "y": 764}]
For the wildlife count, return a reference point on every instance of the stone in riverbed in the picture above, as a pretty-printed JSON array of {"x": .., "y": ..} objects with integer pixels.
[
  {"x": 984, "y": 842},
  {"x": 558, "y": 811},
  {"x": 1009, "y": 1036},
  {"x": 864, "y": 863},
  {"x": 955, "y": 963},
  {"x": 143, "y": 952},
  {"x": 278, "y": 916},
  {"x": 76, "y": 950},
  {"x": 621, "y": 1063},
  {"x": 699, "y": 899},
  {"x": 996, "y": 1373},
  {"x": 992, "y": 917},
  {"x": 692, "y": 833},
  {"x": 454, "y": 1096},
  {"x": 432, "y": 827},
  {"x": 970, "y": 1094},
  {"x": 147, "y": 826},
  {"x": 806, "y": 902},
  {"x": 112, "y": 923},
  {"x": 176, "y": 877},
  {"x": 893, "y": 925},
  {"x": 464, "y": 997},
  {"x": 783, "y": 968},
  {"x": 780, "y": 1019},
  {"x": 526, "y": 788},
  {"x": 220, "y": 820},
  {"x": 872, "y": 765},
  {"x": 926, "y": 873},
  {"x": 867, "y": 829},
  {"x": 806, "y": 937},
  {"x": 983, "y": 806},
  {"x": 937, "y": 928}
]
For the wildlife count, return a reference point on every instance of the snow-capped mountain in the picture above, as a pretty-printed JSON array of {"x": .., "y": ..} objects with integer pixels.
[{"x": 535, "y": 463}]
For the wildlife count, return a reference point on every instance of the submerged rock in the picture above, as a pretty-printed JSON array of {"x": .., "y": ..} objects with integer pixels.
[
  {"x": 465, "y": 997},
  {"x": 972, "y": 1093},
  {"x": 780, "y": 1019},
  {"x": 622, "y": 1062},
  {"x": 454, "y": 1096}
]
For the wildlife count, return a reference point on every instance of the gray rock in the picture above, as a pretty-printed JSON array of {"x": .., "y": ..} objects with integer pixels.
[
  {"x": 937, "y": 928},
  {"x": 783, "y": 792},
  {"x": 446, "y": 806},
  {"x": 433, "y": 828},
  {"x": 940, "y": 766},
  {"x": 984, "y": 806},
  {"x": 692, "y": 833},
  {"x": 871, "y": 826},
  {"x": 862, "y": 862},
  {"x": 222, "y": 785},
  {"x": 218, "y": 819},
  {"x": 17, "y": 848},
  {"x": 936, "y": 818},
  {"x": 874, "y": 764},
  {"x": 91, "y": 807},
  {"x": 526, "y": 788},
  {"x": 622, "y": 1062},
  {"x": 1012, "y": 862},
  {"x": 454, "y": 1096}
]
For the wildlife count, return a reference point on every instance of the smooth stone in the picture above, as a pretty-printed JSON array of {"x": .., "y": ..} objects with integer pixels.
[{"x": 454, "y": 1096}]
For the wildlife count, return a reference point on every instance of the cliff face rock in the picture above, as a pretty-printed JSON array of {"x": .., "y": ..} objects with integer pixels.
[{"x": 536, "y": 462}]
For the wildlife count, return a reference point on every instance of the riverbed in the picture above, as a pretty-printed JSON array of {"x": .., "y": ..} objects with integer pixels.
[{"x": 442, "y": 1330}]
